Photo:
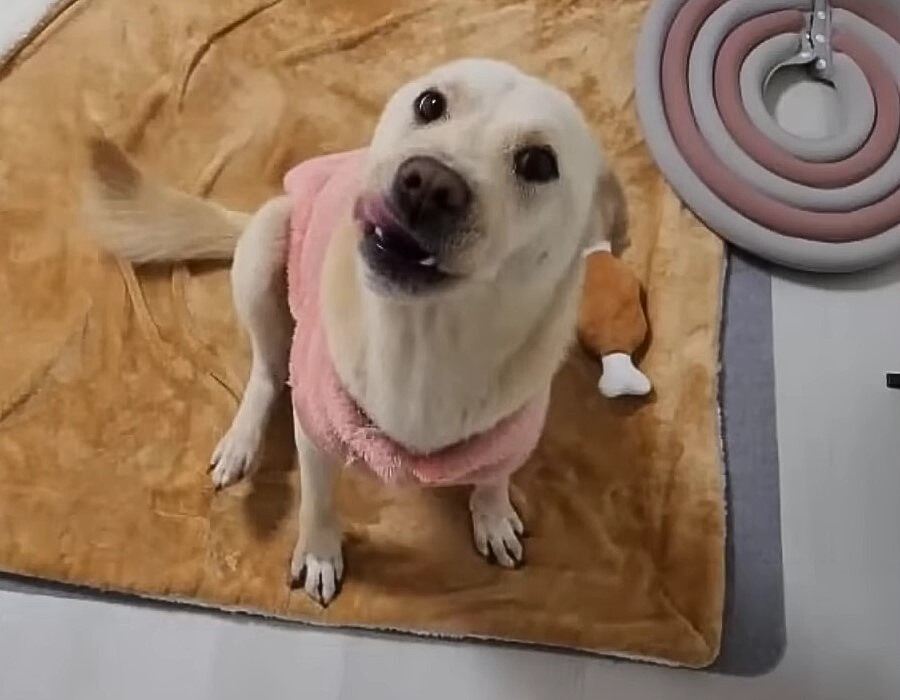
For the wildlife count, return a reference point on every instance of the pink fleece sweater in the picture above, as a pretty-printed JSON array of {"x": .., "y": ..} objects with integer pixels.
[{"x": 323, "y": 190}]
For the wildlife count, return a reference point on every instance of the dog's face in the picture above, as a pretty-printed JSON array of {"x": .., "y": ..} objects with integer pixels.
[{"x": 476, "y": 173}]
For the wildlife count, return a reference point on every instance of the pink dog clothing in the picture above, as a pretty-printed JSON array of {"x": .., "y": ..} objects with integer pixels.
[{"x": 323, "y": 190}]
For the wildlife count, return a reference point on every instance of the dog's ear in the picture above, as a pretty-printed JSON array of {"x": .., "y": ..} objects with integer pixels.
[{"x": 610, "y": 221}]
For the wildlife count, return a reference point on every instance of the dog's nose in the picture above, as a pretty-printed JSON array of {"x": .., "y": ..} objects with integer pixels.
[{"x": 430, "y": 194}]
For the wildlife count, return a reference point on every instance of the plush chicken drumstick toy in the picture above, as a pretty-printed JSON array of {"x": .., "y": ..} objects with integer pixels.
[{"x": 611, "y": 321}]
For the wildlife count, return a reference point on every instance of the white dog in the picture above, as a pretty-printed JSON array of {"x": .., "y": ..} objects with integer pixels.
[{"x": 446, "y": 294}]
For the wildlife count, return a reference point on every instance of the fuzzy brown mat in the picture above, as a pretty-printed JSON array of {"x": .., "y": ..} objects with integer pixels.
[{"x": 114, "y": 388}]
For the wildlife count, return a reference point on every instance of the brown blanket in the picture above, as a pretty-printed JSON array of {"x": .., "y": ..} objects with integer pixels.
[{"x": 115, "y": 386}]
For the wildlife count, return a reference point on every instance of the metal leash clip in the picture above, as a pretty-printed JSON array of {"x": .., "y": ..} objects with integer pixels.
[{"x": 815, "y": 50}]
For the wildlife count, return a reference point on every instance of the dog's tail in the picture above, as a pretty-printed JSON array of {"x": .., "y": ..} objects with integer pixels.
[{"x": 146, "y": 222}]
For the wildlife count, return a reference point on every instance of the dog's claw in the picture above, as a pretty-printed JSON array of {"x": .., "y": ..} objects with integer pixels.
[{"x": 293, "y": 581}]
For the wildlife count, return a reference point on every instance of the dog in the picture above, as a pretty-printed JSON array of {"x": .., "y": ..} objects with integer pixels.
[{"x": 436, "y": 292}]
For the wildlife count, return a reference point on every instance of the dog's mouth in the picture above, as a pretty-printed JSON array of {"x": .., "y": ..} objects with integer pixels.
[{"x": 392, "y": 251}]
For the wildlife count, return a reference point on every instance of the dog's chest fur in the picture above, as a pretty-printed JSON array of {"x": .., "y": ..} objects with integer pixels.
[{"x": 432, "y": 374}]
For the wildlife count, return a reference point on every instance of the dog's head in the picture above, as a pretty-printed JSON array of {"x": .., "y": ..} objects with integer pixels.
[{"x": 477, "y": 172}]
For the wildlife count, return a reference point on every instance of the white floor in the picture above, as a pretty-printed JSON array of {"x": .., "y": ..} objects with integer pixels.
[{"x": 839, "y": 434}]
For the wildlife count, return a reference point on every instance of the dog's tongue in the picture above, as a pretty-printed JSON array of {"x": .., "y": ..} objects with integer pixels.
[
  {"x": 392, "y": 236},
  {"x": 373, "y": 209}
]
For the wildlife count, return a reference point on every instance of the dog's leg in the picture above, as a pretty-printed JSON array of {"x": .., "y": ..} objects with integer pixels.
[
  {"x": 260, "y": 300},
  {"x": 495, "y": 523},
  {"x": 317, "y": 564}
]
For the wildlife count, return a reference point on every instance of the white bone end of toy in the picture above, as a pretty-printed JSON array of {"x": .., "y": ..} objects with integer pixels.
[
  {"x": 601, "y": 247},
  {"x": 622, "y": 378}
]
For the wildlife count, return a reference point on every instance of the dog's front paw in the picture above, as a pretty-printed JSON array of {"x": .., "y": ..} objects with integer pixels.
[
  {"x": 234, "y": 456},
  {"x": 496, "y": 526},
  {"x": 318, "y": 564}
]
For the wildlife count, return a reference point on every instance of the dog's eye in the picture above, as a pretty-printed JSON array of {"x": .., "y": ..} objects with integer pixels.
[
  {"x": 536, "y": 164},
  {"x": 430, "y": 106}
]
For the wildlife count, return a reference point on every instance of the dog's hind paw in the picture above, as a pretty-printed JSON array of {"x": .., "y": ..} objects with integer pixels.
[{"x": 234, "y": 457}]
